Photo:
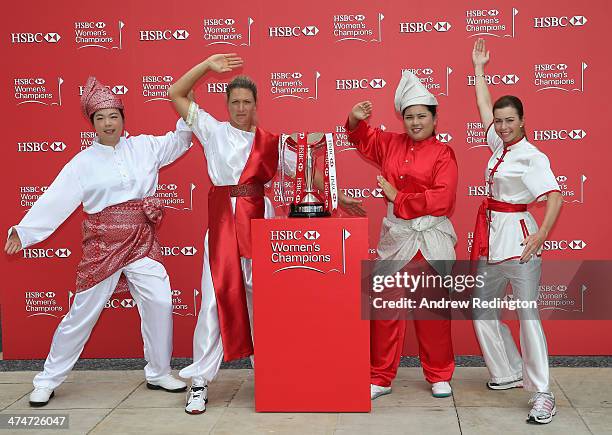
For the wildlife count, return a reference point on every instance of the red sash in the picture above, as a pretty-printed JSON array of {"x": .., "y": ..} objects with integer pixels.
[
  {"x": 229, "y": 238},
  {"x": 480, "y": 247},
  {"x": 117, "y": 236}
]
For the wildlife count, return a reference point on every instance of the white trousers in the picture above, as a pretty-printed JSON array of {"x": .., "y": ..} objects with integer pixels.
[
  {"x": 207, "y": 344},
  {"x": 498, "y": 348},
  {"x": 150, "y": 287}
]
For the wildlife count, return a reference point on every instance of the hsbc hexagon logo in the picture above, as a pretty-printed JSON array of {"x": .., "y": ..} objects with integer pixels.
[
  {"x": 444, "y": 137},
  {"x": 427, "y": 71},
  {"x": 180, "y": 34},
  {"x": 128, "y": 303},
  {"x": 378, "y": 193},
  {"x": 578, "y": 20},
  {"x": 442, "y": 26},
  {"x": 360, "y": 17},
  {"x": 377, "y": 83},
  {"x": 510, "y": 79},
  {"x": 100, "y": 25},
  {"x": 493, "y": 13},
  {"x": 296, "y": 75},
  {"x": 310, "y": 31},
  {"x": 577, "y": 245},
  {"x": 119, "y": 90},
  {"x": 562, "y": 67},
  {"x": 39, "y": 81},
  {"x": 189, "y": 251},
  {"x": 176, "y": 292},
  {"x": 52, "y": 37},
  {"x": 57, "y": 146},
  {"x": 561, "y": 178},
  {"x": 167, "y": 79},
  {"x": 62, "y": 252},
  {"x": 229, "y": 21},
  {"x": 577, "y": 134},
  {"x": 50, "y": 295},
  {"x": 311, "y": 235}
]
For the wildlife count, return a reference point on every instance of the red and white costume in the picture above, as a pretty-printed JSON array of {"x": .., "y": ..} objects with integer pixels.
[
  {"x": 517, "y": 174},
  {"x": 417, "y": 226},
  {"x": 240, "y": 163}
]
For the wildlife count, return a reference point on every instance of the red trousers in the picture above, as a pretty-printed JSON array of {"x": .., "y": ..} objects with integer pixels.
[{"x": 387, "y": 342}]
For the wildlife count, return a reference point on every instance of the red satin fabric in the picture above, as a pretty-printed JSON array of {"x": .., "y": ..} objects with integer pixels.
[
  {"x": 117, "y": 236},
  {"x": 480, "y": 247},
  {"x": 434, "y": 337},
  {"x": 229, "y": 238}
]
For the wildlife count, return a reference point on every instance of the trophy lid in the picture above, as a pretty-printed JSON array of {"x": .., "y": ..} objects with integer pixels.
[{"x": 313, "y": 138}]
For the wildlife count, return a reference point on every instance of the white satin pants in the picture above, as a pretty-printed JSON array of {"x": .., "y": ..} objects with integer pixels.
[
  {"x": 207, "y": 343},
  {"x": 150, "y": 287},
  {"x": 498, "y": 348}
]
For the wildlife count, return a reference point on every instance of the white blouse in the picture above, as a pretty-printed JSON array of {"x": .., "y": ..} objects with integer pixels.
[
  {"x": 516, "y": 174},
  {"x": 101, "y": 176}
]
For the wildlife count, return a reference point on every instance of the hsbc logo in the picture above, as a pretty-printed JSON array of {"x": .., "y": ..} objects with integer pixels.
[
  {"x": 364, "y": 193},
  {"x": 46, "y": 253},
  {"x": 119, "y": 90},
  {"x": 550, "y": 67},
  {"x": 562, "y": 245},
  {"x": 49, "y": 295},
  {"x": 120, "y": 303},
  {"x": 351, "y": 84},
  {"x": 496, "y": 79},
  {"x": 546, "y": 135},
  {"x": 170, "y": 186},
  {"x": 163, "y": 35},
  {"x": 564, "y": 21},
  {"x": 175, "y": 251},
  {"x": 311, "y": 235},
  {"x": 176, "y": 293},
  {"x": 493, "y": 13},
  {"x": 33, "y": 147},
  {"x": 444, "y": 137},
  {"x": 35, "y": 38},
  {"x": 427, "y": 26},
  {"x": 292, "y": 31},
  {"x": 39, "y": 295}
]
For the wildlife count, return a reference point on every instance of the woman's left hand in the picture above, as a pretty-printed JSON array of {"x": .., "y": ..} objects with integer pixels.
[
  {"x": 389, "y": 190},
  {"x": 532, "y": 243}
]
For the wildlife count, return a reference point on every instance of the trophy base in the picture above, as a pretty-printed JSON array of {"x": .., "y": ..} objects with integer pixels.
[{"x": 308, "y": 210}]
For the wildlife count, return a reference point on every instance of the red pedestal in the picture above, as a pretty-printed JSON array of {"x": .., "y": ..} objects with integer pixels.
[{"x": 312, "y": 350}]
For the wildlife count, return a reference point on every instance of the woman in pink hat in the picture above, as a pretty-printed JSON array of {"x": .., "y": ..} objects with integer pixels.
[{"x": 115, "y": 181}]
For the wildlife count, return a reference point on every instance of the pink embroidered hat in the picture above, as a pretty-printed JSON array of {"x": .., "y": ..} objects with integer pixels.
[{"x": 96, "y": 96}]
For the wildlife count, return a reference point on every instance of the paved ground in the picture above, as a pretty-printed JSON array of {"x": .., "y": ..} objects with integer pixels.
[{"x": 118, "y": 402}]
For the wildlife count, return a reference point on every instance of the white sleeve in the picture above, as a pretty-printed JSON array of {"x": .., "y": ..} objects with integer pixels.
[
  {"x": 53, "y": 207},
  {"x": 201, "y": 123},
  {"x": 172, "y": 145},
  {"x": 493, "y": 140},
  {"x": 539, "y": 178}
]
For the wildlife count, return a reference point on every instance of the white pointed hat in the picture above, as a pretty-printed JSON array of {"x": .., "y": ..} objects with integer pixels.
[{"x": 410, "y": 91}]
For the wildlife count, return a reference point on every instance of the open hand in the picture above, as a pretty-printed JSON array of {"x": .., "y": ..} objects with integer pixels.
[
  {"x": 388, "y": 189},
  {"x": 532, "y": 244},
  {"x": 224, "y": 62},
  {"x": 362, "y": 111},
  {"x": 480, "y": 55},
  {"x": 350, "y": 205}
]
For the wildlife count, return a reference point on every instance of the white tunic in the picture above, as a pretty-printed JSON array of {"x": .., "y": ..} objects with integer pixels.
[
  {"x": 227, "y": 150},
  {"x": 522, "y": 176},
  {"x": 101, "y": 176}
]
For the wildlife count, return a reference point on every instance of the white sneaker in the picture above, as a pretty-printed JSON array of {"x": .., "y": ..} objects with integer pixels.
[
  {"x": 441, "y": 389},
  {"x": 543, "y": 409},
  {"x": 377, "y": 391},
  {"x": 168, "y": 383},
  {"x": 40, "y": 396},
  {"x": 517, "y": 383},
  {"x": 197, "y": 398}
]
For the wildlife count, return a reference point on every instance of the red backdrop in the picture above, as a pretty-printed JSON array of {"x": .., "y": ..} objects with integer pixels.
[{"x": 311, "y": 65}]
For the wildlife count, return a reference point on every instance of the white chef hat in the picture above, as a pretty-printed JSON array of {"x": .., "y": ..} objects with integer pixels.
[{"x": 410, "y": 91}]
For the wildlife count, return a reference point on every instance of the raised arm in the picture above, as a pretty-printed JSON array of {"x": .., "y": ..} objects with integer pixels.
[
  {"x": 480, "y": 57},
  {"x": 179, "y": 91}
]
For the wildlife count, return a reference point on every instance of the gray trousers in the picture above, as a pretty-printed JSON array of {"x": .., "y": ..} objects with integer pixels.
[{"x": 498, "y": 348}]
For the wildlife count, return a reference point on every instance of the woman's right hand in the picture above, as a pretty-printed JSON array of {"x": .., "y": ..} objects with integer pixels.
[
  {"x": 13, "y": 243},
  {"x": 224, "y": 62},
  {"x": 480, "y": 55},
  {"x": 362, "y": 111}
]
